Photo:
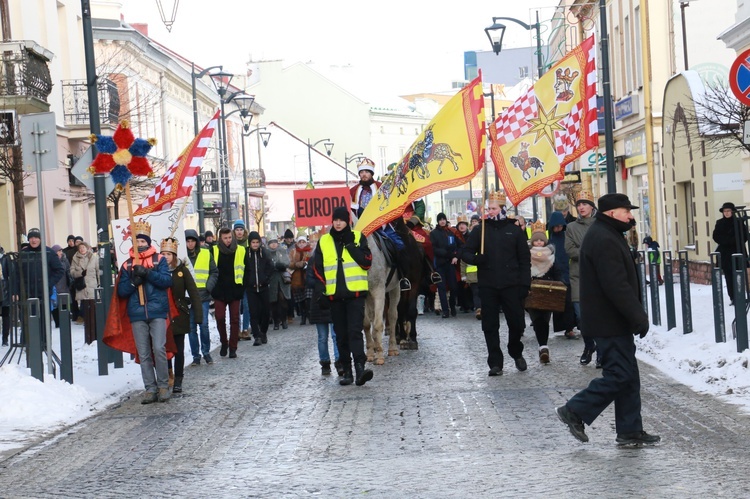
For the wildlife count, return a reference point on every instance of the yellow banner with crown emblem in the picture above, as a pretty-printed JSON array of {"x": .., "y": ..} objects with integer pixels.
[{"x": 448, "y": 153}]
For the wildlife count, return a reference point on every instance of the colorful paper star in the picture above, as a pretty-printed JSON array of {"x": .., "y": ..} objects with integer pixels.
[{"x": 122, "y": 155}]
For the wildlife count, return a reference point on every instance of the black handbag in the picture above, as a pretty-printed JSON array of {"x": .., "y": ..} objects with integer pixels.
[{"x": 79, "y": 283}]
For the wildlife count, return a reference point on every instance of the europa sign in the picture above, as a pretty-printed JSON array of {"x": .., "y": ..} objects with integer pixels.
[{"x": 315, "y": 206}]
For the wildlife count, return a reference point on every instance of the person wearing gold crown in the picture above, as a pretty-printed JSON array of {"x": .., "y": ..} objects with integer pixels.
[
  {"x": 186, "y": 296},
  {"x": 573, "y": 240},
  {"x": 362, "y": 194},
  {"x": 499, "y": 249},
  {"x": 543, "y": 267},
  {"x": 149, "y": 319}
]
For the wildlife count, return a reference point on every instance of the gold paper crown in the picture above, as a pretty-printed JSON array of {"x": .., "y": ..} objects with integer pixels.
[
  {"x": 498, "y": 196},
  {"x": 142, "y": 227},
  {"x": 584, "y": 195},
  {"x": 169, "y": 244},
  {"x": 538, "y": 226},
  {"x": 566, "y": 76},
  {"x": 461, "y": 218}
]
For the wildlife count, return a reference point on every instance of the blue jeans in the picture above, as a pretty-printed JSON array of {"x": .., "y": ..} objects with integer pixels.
[
  {"x": 205, "y": 338},
  {"x": 588, "y": 342},
  {"x": 323, "y": 330},
  {"x": 245, "y": 313}
]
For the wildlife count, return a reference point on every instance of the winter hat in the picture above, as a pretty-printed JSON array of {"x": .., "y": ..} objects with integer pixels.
[
  {"x": 341, "y": 213},
  {"x": 254, "y": 236},
  {"x": 56, "y": 248},
  {"x": 727, "y": 205},
  {"x": 78, "y": 238},
  {"x": 191, "y": 234},
  {"x": 441, "y": 216},
  {"x": 272, "y": 238},
  {"x": 475, "y": 217},
  {"x": 647, "y": 240},
  {"x": 614, "y": 201},
  {"x": 71, "y": 237},
  {"x": 208, "y": 234},
  {"x": 288, "y": 234},
  {"x": 34, "y": 233},
  {"x": 301, "y": 238},
  {"x": 238, "y": 224}
]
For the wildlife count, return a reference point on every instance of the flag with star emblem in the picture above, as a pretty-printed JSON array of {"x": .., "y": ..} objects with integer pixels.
[{"x": 549, "y": 126}]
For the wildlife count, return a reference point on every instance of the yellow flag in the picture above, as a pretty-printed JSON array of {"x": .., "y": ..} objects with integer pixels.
[
  {"x": 448, "y": 153},
  {"x": 549, "y": 126}
]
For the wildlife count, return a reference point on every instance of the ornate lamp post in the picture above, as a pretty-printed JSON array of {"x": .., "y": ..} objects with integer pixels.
[
  {"x": 329, "y": 147},
  {"x": 347, "y": 160}
]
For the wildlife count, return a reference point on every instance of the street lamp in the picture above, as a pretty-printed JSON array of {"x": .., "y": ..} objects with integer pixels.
[
  {"x": 329, "y": 148},
  {"x": 495, "y": 34},
  {"x": 199, "y": 182},
  {"x": 221, "y": 80},
  {"x": 264, "y": 137},
  {"x": 347, "y": 160}
]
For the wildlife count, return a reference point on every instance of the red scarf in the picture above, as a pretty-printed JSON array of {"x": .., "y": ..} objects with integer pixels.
[{"x": 145, "y": 257}]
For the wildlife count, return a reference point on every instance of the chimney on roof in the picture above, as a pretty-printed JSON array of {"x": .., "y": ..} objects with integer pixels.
[{"x": 142, "y": 28}]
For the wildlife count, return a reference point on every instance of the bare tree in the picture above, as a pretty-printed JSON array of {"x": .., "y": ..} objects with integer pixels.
[
  {"x": 718, "y": 119},
  {"x": 11, "y": 169},
  {"x": 260, "y": 214}
]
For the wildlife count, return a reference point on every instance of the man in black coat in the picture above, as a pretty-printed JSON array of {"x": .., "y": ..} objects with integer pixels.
[
  {"x": 445, "y": 247},
  {"x": 504, "y": 279},
  {"x": 731, "y": 236},
  {"x": 611, "y": 312},
  {"x": 258, "y": 271}
]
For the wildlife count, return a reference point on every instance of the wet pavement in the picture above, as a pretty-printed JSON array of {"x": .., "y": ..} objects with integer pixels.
[{"x": 430, "y": 424}]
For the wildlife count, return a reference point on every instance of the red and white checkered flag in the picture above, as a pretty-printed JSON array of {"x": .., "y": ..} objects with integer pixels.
[{"x": 179, "y": 179}]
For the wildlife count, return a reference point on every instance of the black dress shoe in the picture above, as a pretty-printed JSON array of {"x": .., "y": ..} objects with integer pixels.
[
  {"x": 637, "y": 438},
  {"x": 224, "y": 349},
  {"x": 495, "y": 371},
  {"x": 521, "y": 364},
  {"x": 446, "y": 315},
  {"x": 586, "y": 357},
  {"x": 257, "y": 342}
]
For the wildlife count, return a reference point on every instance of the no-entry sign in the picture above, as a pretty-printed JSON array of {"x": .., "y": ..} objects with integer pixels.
[
  {"x": 315, "y": 206},
  {"x": 739, "y": 77}
]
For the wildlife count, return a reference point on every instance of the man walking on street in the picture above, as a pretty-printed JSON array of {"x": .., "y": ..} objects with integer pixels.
[
  {"x": 206, "y": 276},
  {"x": 148, "y": 319},
  {"x": 342, "y": 260},
  {"x": 573, "y": 240},
  {"x": 612, "y": 314},
  {"x": 229, "y": 290},
  {"x": 504, "y": 277},
  {"x": 258, "y": 271}
]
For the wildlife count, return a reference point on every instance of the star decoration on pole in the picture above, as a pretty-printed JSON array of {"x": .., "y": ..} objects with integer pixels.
[{"x": 122, "y": 155}]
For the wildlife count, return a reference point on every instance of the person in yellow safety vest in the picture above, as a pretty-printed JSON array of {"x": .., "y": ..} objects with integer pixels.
[
  {"x": 206, "y": 276},
  {"x": 229, "y": 290},
  {"x": 341, "y": 261}
]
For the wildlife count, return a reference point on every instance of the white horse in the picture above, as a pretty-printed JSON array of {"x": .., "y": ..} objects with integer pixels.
[{"x": 378, "y": 289}]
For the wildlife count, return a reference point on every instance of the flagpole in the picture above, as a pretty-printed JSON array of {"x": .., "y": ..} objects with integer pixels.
[
  {"x": 137, "y": 259},
  {"x": 176, "y": 223},
  {"x": 484, "y": 217}
]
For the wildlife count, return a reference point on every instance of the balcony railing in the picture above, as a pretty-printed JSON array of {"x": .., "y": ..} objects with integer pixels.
[
  {"x": 76, "y": 102},
  {"x": 24, "y": 71}
]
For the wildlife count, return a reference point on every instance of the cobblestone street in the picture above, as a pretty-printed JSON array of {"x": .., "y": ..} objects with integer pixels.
[{"x": 430, "y": 424}]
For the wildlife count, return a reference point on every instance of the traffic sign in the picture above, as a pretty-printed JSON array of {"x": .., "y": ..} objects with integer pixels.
[
  {"x": 739, "y": 77},
  {"x": 81, "y": 171},
  {"x": 39, "y": 142}
]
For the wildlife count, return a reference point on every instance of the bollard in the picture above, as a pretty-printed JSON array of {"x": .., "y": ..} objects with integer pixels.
[
  {"x": 740, "y": 300},
  {"x": 669, "y": 290},
  {"x": 687, "y": 312},
  {"x": 655, "y": 301},
  {"x": 66, "y": 343},
  {"x": 101, "y": 348},
  {"x": 33, "y": 338},
  {"x": 720, "y": 333},
  {"x": 641, "y": 267}
]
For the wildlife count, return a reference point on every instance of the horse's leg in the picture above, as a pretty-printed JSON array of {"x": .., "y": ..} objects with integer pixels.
[
  {"x": 393, "y": 295},
  {"x": 367, "y": 324},
  {"x": 377, "y": 327}
]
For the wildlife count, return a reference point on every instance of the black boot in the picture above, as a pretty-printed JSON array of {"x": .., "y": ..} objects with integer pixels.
[
  {"x": 284, "y": 324},
  {"x": 363, "y": 375},
  {"x": 325, "y": 367},
  {"x": 339, "y": 368},
  {"x": 303, "y": 319},
  {"x": 347, "y": 378},
  {"x": 177, "y": 388}
]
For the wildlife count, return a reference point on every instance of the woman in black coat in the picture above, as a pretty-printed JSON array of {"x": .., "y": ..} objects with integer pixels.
[
  {"x": 725, "y": 235},
  {"x": 324, "y": 323}
]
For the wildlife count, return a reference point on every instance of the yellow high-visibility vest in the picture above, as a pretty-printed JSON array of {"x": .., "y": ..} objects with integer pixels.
[
  {"x": 239, "y": 262},
  {"x": 355, "y": 276},
  {"x": 201, "y": 267},
  {"x": 471, "y": 268}
]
